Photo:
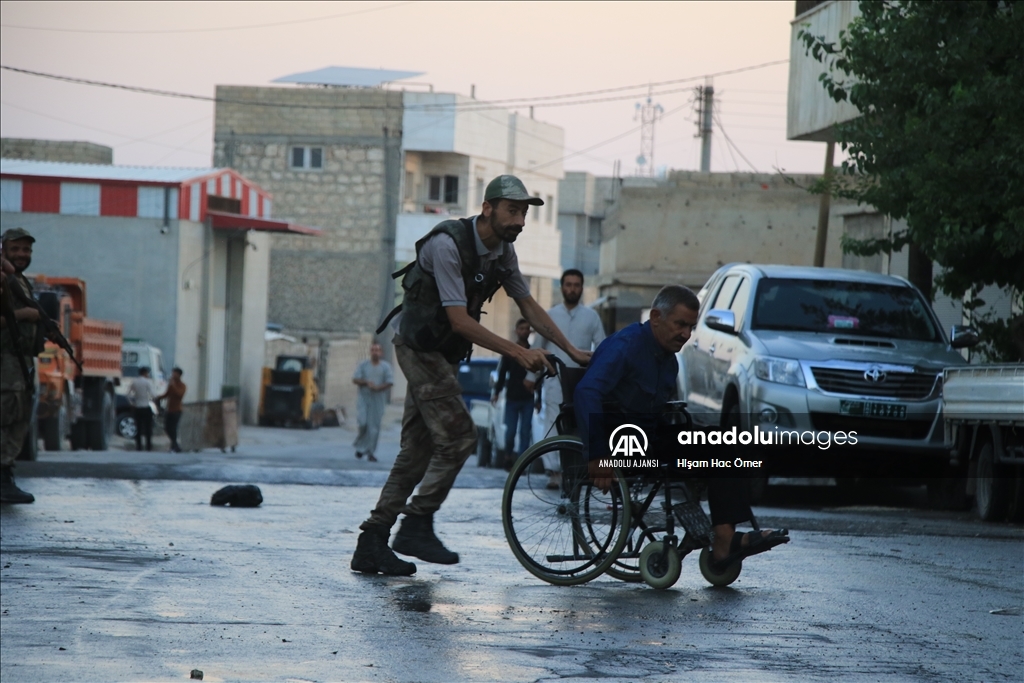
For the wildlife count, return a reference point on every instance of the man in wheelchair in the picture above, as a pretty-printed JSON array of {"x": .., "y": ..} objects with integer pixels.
[{"x": 636, "y": 369}]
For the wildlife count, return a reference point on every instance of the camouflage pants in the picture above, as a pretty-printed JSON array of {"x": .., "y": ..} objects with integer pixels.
[
  {"x": 14, "y": 424},
  {"x": 438, "y": 436}
]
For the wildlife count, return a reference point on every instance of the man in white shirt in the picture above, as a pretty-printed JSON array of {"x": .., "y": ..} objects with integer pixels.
[
  {"x": 140, "y": 394},
  {"x": 582, "y": 327}
]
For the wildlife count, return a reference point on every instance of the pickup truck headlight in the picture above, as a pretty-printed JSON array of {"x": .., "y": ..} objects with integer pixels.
[{"x": 779, "y": 370}]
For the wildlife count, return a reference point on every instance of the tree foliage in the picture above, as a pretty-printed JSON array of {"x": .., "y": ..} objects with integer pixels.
[{"x": 940, "y": 142}]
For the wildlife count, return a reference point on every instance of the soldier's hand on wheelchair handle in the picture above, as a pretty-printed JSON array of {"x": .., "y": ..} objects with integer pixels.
[
  {"x": 601, "y": 476},
  {"x": 581, "y": 357},
  {"x": 534, "y": 360}
]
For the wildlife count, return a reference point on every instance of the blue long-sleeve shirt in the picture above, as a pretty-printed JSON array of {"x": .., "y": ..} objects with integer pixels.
[{"x": 632, "y": 370}]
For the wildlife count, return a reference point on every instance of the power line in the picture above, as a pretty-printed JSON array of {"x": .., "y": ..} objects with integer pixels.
[
  {"x": 656, "y": 84},
  {"x": 206, "y": 30},
  {"x": 605, "y": 142},
  {"x": 148, "y": 140},
  {"x": 463, "y": 106},
  {"x": 718, "y": 120}
]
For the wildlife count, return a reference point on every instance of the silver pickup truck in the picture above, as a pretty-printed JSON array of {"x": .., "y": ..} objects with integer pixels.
[
  {"x": 983, "y": 411},
  {"x": 825, "y": 351}
]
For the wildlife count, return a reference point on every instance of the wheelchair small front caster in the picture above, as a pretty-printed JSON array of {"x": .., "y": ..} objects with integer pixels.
[
  {"x": 660, "y": 565},
  {"x": 718, "y": 578}
]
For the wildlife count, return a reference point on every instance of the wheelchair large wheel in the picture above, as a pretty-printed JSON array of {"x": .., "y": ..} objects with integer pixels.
[
  {"x": 569, "y": 535},
  {"x": 718, "y": 578}
]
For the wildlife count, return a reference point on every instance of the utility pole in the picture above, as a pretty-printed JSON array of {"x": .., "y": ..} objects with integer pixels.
[
  {"x": 705, "y": 110},
  {"x": 824, "y": 204},
  {"x": 648, "y": 113}
]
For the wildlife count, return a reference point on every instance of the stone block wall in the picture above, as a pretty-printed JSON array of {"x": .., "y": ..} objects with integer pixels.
[
  {"x": 74, "y": 151},
  {"x": 332, "y": 284}
]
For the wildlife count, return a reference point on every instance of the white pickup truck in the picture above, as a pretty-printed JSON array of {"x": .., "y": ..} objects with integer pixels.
[{"x": 983, "y": 413}]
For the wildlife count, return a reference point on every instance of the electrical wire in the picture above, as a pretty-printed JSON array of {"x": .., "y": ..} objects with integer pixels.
[
  {"x": 467, "y": 106},
  {"x": 130, "y": 140},
  {"x": 718, "y": 120},
  {"x": 206, "y": 30}
]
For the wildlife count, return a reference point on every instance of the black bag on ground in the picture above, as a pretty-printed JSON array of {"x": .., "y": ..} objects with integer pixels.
[{"x": 238, "y": 496}]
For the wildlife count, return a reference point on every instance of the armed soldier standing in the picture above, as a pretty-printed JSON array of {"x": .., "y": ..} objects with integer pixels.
[
  {"x": 459, "y": 265},
  {"x": 18, "y": 339}
]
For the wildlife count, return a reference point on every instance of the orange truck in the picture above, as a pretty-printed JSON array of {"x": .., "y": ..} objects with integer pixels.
[{"x": 77, "y": 405}]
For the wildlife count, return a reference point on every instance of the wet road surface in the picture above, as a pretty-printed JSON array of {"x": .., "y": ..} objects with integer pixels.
[{"x": 118, "y": 579}]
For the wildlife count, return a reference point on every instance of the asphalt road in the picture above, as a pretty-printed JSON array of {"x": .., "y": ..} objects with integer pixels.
[{"x": 123, "y": 571}]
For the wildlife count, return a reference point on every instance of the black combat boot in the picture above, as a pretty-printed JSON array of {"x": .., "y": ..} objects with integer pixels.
[
  {"x": 416, "y": 537},
  {"x": 9, "y": 491},
  {"x": 373, "y": 556}
]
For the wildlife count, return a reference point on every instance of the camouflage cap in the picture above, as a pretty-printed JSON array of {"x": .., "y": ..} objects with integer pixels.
[
  {"x": 510, "y": 187},
  {"x": 17, "y": 234}
]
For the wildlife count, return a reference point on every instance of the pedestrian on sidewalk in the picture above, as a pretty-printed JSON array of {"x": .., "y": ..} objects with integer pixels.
[
  {"x": 141, "y": 395},
  {"x": 582, "y": 327},
  {"x": 519, "y": 399},
  {"x": 374, "y": 378},
  {"x": 459, "y": 265},
  {"x": 172, "y": 417}
]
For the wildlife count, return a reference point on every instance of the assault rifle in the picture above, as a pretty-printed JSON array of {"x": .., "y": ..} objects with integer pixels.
[
  {"x": 12, "y": 325},
  {"x": 47, "y": 326}
]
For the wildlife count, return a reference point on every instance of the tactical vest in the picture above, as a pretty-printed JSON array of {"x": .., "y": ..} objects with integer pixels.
[
  {"x": 29, "y": 332},
  {"x": 424, "y": 325}
]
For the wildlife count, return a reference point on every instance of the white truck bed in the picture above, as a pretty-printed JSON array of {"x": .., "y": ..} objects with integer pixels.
[{"x": 984, "y": 393}]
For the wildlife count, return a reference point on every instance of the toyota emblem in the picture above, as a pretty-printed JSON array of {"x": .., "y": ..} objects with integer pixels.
[{"x": 875, "y": 375}]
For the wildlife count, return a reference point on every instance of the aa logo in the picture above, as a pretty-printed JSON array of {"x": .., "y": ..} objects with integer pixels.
[{"x": 629, "y": 441}]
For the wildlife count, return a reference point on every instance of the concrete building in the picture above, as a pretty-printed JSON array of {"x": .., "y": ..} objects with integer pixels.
[
  {"x": 179, "y": 256},
  {"x": 71, "y": 151},
  {"x": 681, "y": 229},
  {"x": 583, "y": 201},
  {"x": 452, "y": 148},
  {"x": 376, "y": 169},
  {"x": 812, "y": 116}
]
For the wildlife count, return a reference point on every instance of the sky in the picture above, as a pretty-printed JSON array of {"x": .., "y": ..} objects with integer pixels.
[{"x": 508, "y": 50}]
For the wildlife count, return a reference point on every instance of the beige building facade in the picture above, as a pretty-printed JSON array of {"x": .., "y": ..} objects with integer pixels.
[{"x": 681, "y": 229}]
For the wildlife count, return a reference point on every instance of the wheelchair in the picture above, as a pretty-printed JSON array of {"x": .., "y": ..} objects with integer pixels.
[{"x": 575, "y": 533}]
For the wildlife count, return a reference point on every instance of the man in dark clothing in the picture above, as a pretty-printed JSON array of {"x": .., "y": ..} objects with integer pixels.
[
  {"x": 519, "y": 401},
  {"x": 175, "y": 394},
  {"x": 636, "y": 368}
]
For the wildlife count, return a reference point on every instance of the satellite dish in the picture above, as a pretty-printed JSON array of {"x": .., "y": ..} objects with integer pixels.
[{"x": 641, "y": 160}]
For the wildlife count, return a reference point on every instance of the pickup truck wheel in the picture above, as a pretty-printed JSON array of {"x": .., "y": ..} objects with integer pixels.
[
  {"x": 758, "y": 483},
  {"x": 991, "y": 489}
]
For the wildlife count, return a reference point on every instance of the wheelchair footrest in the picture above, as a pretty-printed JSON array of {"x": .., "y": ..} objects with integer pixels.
[
  {"x": 691, "y": 516},
  {"x": 569, "y": 558}
]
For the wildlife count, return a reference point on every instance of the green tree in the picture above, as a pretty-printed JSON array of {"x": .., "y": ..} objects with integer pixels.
[{"x": 940, "y": 142}]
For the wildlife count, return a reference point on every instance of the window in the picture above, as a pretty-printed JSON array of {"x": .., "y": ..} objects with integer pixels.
[
  {"x": 307, "y": 157},
  {"x": 726, "y": 293},
  {"x": 549, "y": 209},
  {"x": 594, "y": 231},
  {"x": 479, "y": 191},
  {"x": 444, "y": 188}
]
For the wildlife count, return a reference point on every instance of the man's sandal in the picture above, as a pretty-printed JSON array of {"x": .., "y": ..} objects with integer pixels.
[{"x": 756, "y": 543}]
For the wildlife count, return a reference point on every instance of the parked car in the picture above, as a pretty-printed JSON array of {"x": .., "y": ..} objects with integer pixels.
[
  {"x": 822, "y": 350},
  {"x": 477, "y": 376}
]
